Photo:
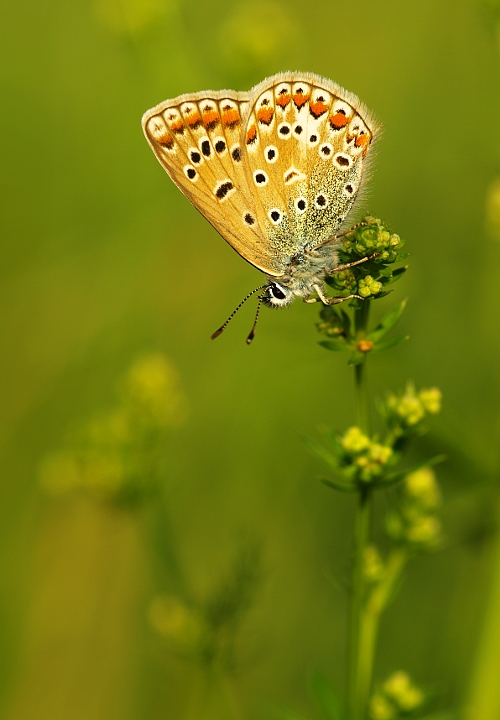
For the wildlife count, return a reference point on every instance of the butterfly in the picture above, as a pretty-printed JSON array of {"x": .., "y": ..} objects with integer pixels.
[{"x": 275, "y": 170}]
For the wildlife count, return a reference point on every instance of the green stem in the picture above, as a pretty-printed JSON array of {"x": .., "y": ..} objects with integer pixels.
[
  {"x": 358, "y": 684},
  {"x": 357, "y": 703},
  {"x": 374, "y": 606}
]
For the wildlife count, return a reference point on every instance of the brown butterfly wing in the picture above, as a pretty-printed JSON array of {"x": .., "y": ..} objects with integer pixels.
[
  {"x": 307, "y": 141},
  {"x": 197, "y": 139}
]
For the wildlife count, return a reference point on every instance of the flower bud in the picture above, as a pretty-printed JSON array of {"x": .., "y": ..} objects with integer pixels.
[
  {"x": 431, "y": 400},
  {"x": 354, "y": 441}
]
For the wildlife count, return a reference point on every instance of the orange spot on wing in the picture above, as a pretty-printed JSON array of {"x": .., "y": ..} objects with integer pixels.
[
  {"x": 230, "y": 117},
  {"x": 265, "y": 115},
  {"x": 210, "y": 119},
  {"x": 339, "y": 120},
  {"x": 166, "y": 140},
  {"x": 318, "y": 108},
  {"x": 362, "y": 140},
  {"x": 251, "y": 134},
  {"x": 177, "y": 126},
  {"x": 194, "y": 120},
  {"x": 283, "y": 100},
  {"x": 300, "y": 99}
]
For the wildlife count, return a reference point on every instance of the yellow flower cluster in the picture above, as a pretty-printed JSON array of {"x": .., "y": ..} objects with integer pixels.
[
  {"x": 367, "y": 456},
  {"x": 416, "y": 523},
  {"x": 397, "y": 696}
]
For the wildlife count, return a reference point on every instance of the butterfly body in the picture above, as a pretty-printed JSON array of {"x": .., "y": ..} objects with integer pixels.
[{"x": 276, "y": 171}]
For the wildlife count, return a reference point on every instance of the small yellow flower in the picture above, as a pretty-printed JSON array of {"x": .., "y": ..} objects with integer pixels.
[
  {"x": 431, "y": 400},
  {"x": 422, "y": 486},
  {"x": 354, "y": 441},
  {"x": 381, "y": 708}
]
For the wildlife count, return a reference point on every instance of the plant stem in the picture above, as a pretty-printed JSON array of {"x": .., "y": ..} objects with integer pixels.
[
  {"x": 358, "y": 685},
  {"x": 374, "y": 606}
]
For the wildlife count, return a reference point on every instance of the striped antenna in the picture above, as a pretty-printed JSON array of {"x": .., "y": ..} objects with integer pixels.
[
  {"x": 252, "y": 331},
  {"x": 223, "y": 327}
]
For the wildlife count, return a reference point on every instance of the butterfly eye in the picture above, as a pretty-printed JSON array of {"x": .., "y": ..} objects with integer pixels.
[{"x": 276, "y": 292}]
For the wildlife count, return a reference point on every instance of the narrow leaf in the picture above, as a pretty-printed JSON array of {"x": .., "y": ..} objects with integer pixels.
[
  {"x": 398, "y": 273},
  {"x": 337, "y": 485},
  {"x": 387, "y": 322},
  {"x": 321, "y": 453},
  {"x": 401, "y": 256},
  {"x": 336, "y": 345},
  {"x": 393, "y": 478},
  {"x": 392, "y": 342}
]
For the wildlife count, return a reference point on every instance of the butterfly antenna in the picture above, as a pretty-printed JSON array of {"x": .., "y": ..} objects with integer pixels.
[
  {"x": 252, "y": 331},
  {"x": 223, "y": 327}
]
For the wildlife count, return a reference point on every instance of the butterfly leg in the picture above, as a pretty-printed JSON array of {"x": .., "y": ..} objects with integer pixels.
[
  {"x": 339, "y": 268},
  {"x": 329, "y": 300}
]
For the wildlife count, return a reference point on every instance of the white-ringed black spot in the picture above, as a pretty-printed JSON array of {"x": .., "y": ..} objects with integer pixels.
[
  {"x": 190, "y": 172},
  {"x": 271, "y": 153},
  {"x": 236, "y": 153},
  {"x": 260, "y": 178},
  {"x": 343, "y": 161},
  {"x": 326, "y": 150},
  {"x": 297, "y": 129},
  {"x": 321, "y": 201},
  {"x": 275, "y": 216},
  {"x": 313, "y": 139},
  {"x": 284, "y": 130},
  {"x": 249, "y": 219},
  {"x": 349, "y": 189},
  {"x": 301, "y": 205},
  {"x": 195, "y": 156},
  {"x": 220, "y": 146},
  {"x": 222, "y": 190},
  {"x": 205, "y": 148}
]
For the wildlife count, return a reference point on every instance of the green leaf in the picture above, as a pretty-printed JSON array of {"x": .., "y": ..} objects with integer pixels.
[
  {"x": 339, "y": 345},
  {"x": 393, "y": 478},
  {"x": 321, "y": 453},
  {"x": 392, "y": 342},
  {"x": 380, "y": 295},
  {"x": 327, "y": 698},
  {"x": 398, "y": 273},
  {"x": 387, "y": 323},
  {"x": 386, "y": 272},
  {"x": 337, "y": 485},
  {"x": 401, "y": 256}
]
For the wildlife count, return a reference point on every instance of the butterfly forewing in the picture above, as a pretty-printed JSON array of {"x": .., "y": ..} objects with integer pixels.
[{"x": 197, "y": 139}]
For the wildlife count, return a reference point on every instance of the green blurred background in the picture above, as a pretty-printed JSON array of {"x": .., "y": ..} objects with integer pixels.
[{"x": 111, "y": 286}]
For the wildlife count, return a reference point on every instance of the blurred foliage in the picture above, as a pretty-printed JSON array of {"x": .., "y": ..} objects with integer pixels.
[
  {"x": 118, "y": 455},
  {"x": 104, "y": 259}
]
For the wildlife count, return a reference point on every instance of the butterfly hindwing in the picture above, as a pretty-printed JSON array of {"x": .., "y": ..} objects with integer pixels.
[{"x": 318, "y": 139}]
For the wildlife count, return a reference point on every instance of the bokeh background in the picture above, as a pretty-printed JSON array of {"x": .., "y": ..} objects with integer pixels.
[{"x": 151, "y": 478}]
